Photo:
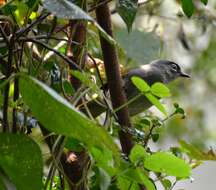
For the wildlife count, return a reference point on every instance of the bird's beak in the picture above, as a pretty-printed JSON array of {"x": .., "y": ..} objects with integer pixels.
[{"x": 185, "y": 75}]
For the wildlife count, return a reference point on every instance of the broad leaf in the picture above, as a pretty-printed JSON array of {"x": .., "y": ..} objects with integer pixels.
[
  {"x": 127, "y": 9},
  {"x": 138, "y": 176},
  {"x": 68, "y": 10},
  {"x": 123, "y": 183},
  {"x": 21, "y": 161},
  {"x": 104, "y": 160},
  {"x": 140, "y": 84},
  {"x": 160, "y": 90},
  {"x": 188, "y": 7},
  {"x": 142, "y": 47},
  {"x": 167, "y": 163},
  {"x": 105, "y": 179},
  {"x": 65, "y": 9},
  {"x": 58, "y": 115},
  {"x": 137, "y": 154},
  {"x": 156, "y": 102}
]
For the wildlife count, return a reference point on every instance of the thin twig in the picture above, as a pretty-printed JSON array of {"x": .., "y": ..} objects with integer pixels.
[
  {"x": 49, "y": 37},
  {"x": 65, "y": 58},
  {"x": 4, "y": 35},
  {"x": 146, "y": 140},
  {"x": 29, "y": 27}
]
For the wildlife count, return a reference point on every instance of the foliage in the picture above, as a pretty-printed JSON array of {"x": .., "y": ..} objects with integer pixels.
[{"x": 39, "y": 72}]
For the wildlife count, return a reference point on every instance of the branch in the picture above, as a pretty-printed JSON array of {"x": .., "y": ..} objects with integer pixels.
[
  {"x": 114, "y": 79},
  {"x": 65, "y": 58},
  {"x": 29, "y": 27}
]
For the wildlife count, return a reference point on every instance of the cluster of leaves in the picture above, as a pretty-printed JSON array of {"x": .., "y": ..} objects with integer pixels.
[{"x": 47, "y": 94}]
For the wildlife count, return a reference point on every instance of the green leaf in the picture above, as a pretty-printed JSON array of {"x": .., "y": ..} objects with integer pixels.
[
  {"x": 137, "y": 154},
  {"x": 127, "y": 9},
  {"x": 165, "y": 162},
  {"x": 85, "y": 79},
  {"x": 142, "y": 47},
  {"x": 68, "y": 10},
  {"x": 188, "y": 7},
  {"x": 138, "y": 176},
  {"x": 2, "y": 185},
  {"x": 68, "y": 88},
  {"x": 194, "y": 152},
  {"x": 104, "y": 34},
  {"x": 155, "y": 137},
  {"x": 140, "y": 84},
  {"x": 156, "y": 102},
  {"x": 65, "y": 9},
  {"x": 32, "y": 3},
  {"x": 160, "y": 90},
  {"x": 73, "y": 144},
  {"x": 104, "y": 159},
  {"x": 205, "y": 2},
  {"x": 21, "y": 161},
  {"x": 105, "y": 179},
  {"x": 123, "y": 183},
  {"x": 58, "y": 115}
]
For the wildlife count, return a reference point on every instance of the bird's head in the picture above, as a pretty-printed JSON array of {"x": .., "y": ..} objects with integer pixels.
[{"x": 169, "y": 70}]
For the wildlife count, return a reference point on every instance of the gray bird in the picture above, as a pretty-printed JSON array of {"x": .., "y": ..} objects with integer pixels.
[{"x": 157, "y": 71}]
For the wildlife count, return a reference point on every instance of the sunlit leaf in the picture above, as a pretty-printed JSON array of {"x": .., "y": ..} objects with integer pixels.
[
  {"x": 160, "y": 90},
  {"x": 156, "y": 102},
  {"x": 104, "y": 159},
  {"x": 167, "y": 163},
  {"x": 138, "y": 176},
  {"x": 140, "y": 84},
  {"x": 123, "y": 183},
  {"x": 21, "y": 161},
  {"x": 137, "y": 154}
]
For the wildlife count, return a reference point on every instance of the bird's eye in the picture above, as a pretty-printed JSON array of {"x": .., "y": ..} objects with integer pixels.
[{"x": 175, "y": 67}]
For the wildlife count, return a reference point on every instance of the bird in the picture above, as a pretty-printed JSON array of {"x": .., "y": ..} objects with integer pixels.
[{"x": 164, "y": 71}]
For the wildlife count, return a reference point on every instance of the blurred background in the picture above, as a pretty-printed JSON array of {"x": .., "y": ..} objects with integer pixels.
[{"x": 162, "y": 31}]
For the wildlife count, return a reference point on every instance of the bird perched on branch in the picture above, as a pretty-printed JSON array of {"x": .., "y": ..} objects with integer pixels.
[{"x": 163, "y": 71}]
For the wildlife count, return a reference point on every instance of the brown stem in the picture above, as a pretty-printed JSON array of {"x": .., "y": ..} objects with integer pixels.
[
  {"x": 114, "y": 79},
  {"x": 76, "y": 170}
]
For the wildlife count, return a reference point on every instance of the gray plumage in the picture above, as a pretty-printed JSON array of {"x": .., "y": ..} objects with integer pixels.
[{"x": 157, "y": 71}]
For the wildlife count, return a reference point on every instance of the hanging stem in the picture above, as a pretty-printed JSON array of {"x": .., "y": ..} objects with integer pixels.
[{"x": 114, "y": 79}]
